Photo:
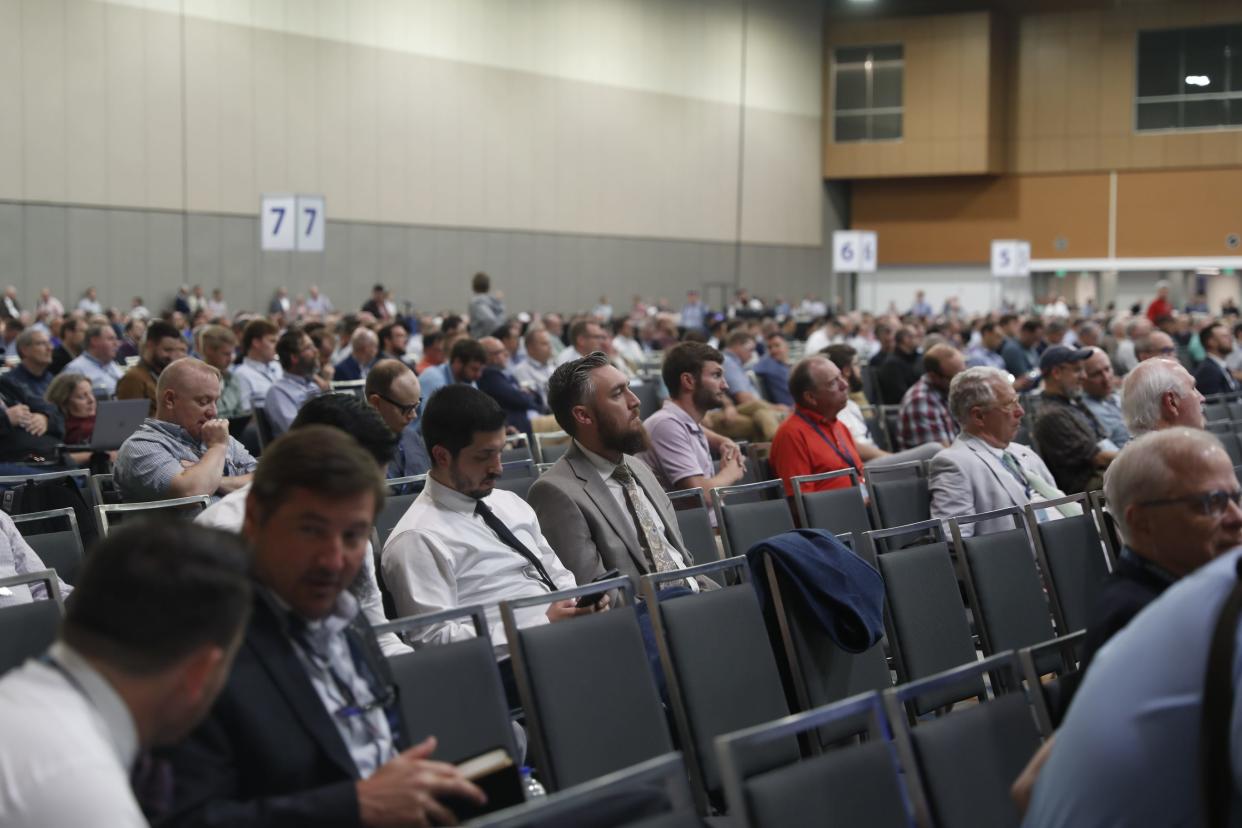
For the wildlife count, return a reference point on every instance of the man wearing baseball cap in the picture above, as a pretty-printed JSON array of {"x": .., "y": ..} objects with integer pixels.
[{"x": 1072, "y": 442}]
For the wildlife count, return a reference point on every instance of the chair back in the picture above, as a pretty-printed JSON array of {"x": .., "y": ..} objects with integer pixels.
[
  {"x": 103, "y": 490},
  {"x": 587, "y": 688},
  {"x": 355, "y": 388},
  {"x": 899, "y": 495},
  {"x": 648, "y": 394},
  {"x": 263, "y": 426},
  {"x": 835, "y": 510},
  {"x": 452, "y": 691},
  {"x": 550, "y": 445},
  {"x": 59, "y": 549},
  {"x": 186, "y": 508},
  {"x": 1072, "y": 559},
  {"x": 694, "y": 522},
  {"x": 744, "y": 524},
  {"x": 395, "y": 507},
  {"x": 26, "y": 630},
  {"x": 1050, "y": 698},
  {"x": 517, "y": 447},
  {"x": 517, "y": 477},
  {"x": 702, "y": 639}
]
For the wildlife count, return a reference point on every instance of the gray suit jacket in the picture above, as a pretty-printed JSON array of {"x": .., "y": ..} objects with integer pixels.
[
  {"x": 586, "y": 527},
  {"x": 967, "y": 479}
]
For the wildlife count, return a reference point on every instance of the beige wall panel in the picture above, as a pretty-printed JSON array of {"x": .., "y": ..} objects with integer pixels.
[
  {"x": 42, "y": 113},
  {"x": 207, "y": 176},
  {"x": 86, "y": 102},
  {"x": 162, "y": 105},
  {"x": 329, "y": 170},
  {"x": 11, "y": 88},
  {"x": 234, "y": 150},
  {"x": 392, "y": 136},
  {"x": 127, "y": 136},
  {"x": 363, "y": 123},
  {"x": 272, "y": 173},
  {"x": 776, "y": 144},
  {"x": 307, "y": 166}
]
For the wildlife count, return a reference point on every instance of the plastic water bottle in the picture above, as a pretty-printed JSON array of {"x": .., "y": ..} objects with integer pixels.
[{"x": 530, "y": 785}]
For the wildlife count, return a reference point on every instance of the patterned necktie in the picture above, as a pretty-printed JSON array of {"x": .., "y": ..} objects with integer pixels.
[
  {"x": 657, "y": 550},
  {"x": 1042, "y": 487}
]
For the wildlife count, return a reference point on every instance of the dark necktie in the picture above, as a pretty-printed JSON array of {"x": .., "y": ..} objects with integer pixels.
[
  {"x": 152, "y": 782},
  {"x": 497, "y": 525}
]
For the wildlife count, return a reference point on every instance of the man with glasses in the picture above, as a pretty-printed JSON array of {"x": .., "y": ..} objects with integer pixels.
[
  {"x": 1070, "y": 439},
  {"x": 984, "y": 470},
  {"x": 394, "y": 391},
  {"x": 1099, "y": 395},
  {"x": 307, "y": 730},
  {"x": 586, "y": 336},
  {"x": 1152, "y": 345},
  {"x": 1212, "y": 376},
  {"x": 1127, "y": 752}
]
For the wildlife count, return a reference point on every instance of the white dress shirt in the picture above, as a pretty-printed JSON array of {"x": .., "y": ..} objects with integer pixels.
[
  {"x": 69, "y": 743},
  {"x": 441, "y": 555}
]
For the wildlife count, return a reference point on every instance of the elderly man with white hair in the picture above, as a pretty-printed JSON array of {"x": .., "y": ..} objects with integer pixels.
[
  {"x": 363, "y": 351},
  {"x": 983, "y": 469},
  {"x": 1160, "y": 393}
]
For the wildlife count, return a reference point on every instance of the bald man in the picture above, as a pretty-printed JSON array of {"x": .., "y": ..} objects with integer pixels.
[
  {"x": 924, "y": 416},
  {"x": 184, "y": 449},
  {"x": 1160, "y": 394}
]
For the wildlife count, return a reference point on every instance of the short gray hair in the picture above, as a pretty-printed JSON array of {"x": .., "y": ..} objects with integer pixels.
[
  {"x": 1143, "y": 469},
  {"x": 974, "y": 386},
  {"x": 1143, "y": 391}
]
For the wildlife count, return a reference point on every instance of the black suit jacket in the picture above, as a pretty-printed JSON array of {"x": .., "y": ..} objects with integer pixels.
[
  {"x": 1126, "y": 591},
  {"x": 16, "y": 443},
  {"x": 268, "y": 753},
  {"x": 1210, "y": 379},
  {"x": 505, "y": 390}
]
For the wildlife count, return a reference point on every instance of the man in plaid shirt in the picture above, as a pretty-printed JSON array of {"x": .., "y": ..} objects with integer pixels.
[{"x": 924, "y": 415}]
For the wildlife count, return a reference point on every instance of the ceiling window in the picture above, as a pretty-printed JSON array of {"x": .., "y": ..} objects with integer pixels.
[
  {"x": 867, "y": 93},
  {"x": 1189, "y": 79}
]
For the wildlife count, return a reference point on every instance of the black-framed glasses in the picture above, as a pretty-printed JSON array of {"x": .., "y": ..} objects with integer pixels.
[
  {"x": 1208, "y": 503},
  {"x": 406, "y": 410}
]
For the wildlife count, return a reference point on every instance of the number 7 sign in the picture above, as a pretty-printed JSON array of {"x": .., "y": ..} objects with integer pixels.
[
  {"x": 310, "y": 223},
  {"x": 277, "y": 223}
]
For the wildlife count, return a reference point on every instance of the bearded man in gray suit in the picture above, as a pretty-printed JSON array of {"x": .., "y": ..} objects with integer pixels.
[
  {"x": 983, "y": 469},
  {"x": 600, "y": 507}
]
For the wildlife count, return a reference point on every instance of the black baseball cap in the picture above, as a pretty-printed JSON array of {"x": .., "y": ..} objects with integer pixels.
[{"x": 1060, "y": 355}]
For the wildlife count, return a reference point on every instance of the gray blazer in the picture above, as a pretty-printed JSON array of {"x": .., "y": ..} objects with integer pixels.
[
  {"x": 587, "y": 528},
  {"x": 967, "y": 479}
]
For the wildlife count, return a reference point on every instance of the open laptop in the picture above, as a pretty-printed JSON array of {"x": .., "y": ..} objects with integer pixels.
[{"x": 115, "y": 420}]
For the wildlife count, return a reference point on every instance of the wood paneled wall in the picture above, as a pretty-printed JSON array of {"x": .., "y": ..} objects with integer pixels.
[{"x": 1178, "y": 212}]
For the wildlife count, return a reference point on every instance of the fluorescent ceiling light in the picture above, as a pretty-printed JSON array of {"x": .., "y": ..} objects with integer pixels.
[{"x": 1197, "y": 80}]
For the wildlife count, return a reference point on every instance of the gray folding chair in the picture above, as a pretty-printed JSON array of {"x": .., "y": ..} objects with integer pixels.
[
  {"x": 263, "y": 427},
  {"x": 855, "y": 783},
  {"x": 396, "y": 505},
  {"x": 452, "y": 691},
  {"x": 81, "y": 477},
  {"x": 899, "y": 495},
  {"x": 103, "y": 490},
  {"x": 836, "y": 510},
  {"x": 550, "y": 445},
  {"x": 1050, "y": 669},
  {"x": 587, "y": 688},
  {"x": 1072, "y": 560},
  {"x": 928, "y": 631},
  {"x": 967, "y": 760},
  {"x": 59, "y": 549},
  {"x": 517, "y": 447},
  {"x": 650, "y": 794},
  {"x": 26, "y": 630},
  {"x": 186, "y": 508},
  {"x": 648, "y": 393},
  {"x": 1003, "y": 586},
  {"x": 355, "y": 388},
  {"x": 517, "y": 477},
  {"x": 702, "y": 639},
  {"x": 742, "y": 525},
  {"x": 695, "y": 524},
  {"x": 1108, "y": 524}
]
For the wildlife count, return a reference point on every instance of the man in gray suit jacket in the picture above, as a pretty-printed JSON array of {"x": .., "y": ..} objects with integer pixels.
[
  {"x": 599, "y": 507},
  {"x": 983, "y": 470}
]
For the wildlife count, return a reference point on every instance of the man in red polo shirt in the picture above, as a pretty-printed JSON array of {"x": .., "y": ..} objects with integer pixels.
[{"x": 812, "y": 440}]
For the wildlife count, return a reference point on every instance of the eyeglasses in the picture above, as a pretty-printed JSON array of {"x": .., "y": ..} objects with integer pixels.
[
  {"x": 1209, "y": 503},
  {"x": 406, "y": 410}
]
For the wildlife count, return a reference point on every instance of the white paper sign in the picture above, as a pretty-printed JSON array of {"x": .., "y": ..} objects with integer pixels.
[
  {"x": 277, "y": 223},
  {"x": 854, "y": 251},
  {"x": 1011, "y": 257},
  {"x": 310, "y": 223},
  {"x": 868, "y": 251}
]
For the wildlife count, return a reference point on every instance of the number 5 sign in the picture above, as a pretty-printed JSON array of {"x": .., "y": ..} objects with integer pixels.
[{"x": 292, "y": 223}]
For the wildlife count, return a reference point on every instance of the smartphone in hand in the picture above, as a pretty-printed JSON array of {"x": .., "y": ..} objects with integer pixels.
[{"x": 594, "y": 598}]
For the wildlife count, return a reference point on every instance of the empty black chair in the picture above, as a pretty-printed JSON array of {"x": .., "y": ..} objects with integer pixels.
[
  {"x": 517, "y": 447},
  {"x": 452, "y": 691},
  {"x": 695, "y": 524},
  {"x": 742, "y": 525},
  {"x": 836, "y": 510},
  {"x": 103, "y": 490},
  {"x": 926, "y": 620},
  {"x": 1071, "y": 557},
  {"x": 1058, "y": 661},
  {"x": 26, "y": 630},
  {"x": 852, "y": 784},
  {"x": 518, "y": 477},
  {"x": 648, "y": 394},
  {"x": 184, "y": 508},
  {"x": 1233, "y": 446},
  {"x": 967, "y": 760},
  {"x": 550, "y": 445},
  {"x": 263, "y": 427},
  {"x": 396, "y": 505},
  {"x": 703, "y": 638},
  {"x": 1002, "y": 583},
  {"x": 877, "y": 428},
  {"x": 651, "y": 794},
  {"x": 1105, "y": 521},
  {"x": 55, "y": 538},
  {"x": 587, "y": 689},
  {"x": 899, "y": 495}
]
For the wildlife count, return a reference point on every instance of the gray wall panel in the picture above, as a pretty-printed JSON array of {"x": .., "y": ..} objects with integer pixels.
[
  {"x": 45, "y": 238},
  {"x": 87, "y": 247},
  {"x": 13, "y": 246},
  {"x": 165, "y": 250}
]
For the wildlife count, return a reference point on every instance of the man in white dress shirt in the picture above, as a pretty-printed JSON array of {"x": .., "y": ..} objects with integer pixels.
[
  {"x": 984, "y": 470},
  {"x": 463, "y": 541},
  {"x": 144, "y": 649}
]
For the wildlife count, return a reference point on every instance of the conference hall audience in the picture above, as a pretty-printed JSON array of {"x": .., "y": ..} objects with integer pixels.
[
  {"x": 984, "y": 469},
  {"x": 464, "y": 541},
  {"x": 31, "y": 428},
  {"x": 1021, "y": 353},
  {"x": 1212, "y": 376},
  {"x": 772, "y": 370},
  {"x": 72, "y": 336},
  {"x": 1071, "y": 441},
  {"x": 1160, "y": 393},
  {"x": 75, "y": 400},
  {"x": 680, "y": 446},
  {"x": 499, "y": 383},
  {"x": 486, "y": 310},
  {"x": 299, "y": 363},
  {"x": 600, "y": 507},
  {"x": 33, "y": 372},
  {"x": 900, "y": 368},
  {"x": 1153, "y": 344},
  {"x": 1099, "y": 395},
  {"x": 18, "y": 558},
  {"x": 377, "y": 305},
  {"x": 364, "y": 348},
  {"x": 97, "y": 362},
  {"x": 987, "y": 351},
  {"x": 394, "y": 392},
  {"x": 393, "y": 337},
  {"x": 586, "y": 336},
  {"x": 626, "y": 345},
  {"x": 744, "y": 415},
  {"x": 535, "y": 371},
  {"x": 184, "y": 449},
  {"x": 814, "y": 440},
  {"x": 131, "y": 336},
  {"x": 433, "y": 351},
  {"x": 216, "y": 345},
  {"x": 465, "y": 365},
  {"x": 161, "y": 346},
  {"x": 258, "y": 369},
  {"x": 144, "y": 647},
  {"x": 924, "y": 415}
]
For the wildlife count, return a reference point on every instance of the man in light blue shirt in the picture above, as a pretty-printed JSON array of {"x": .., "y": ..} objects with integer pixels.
[
  {"x": 465, "y": 364},
  {"x": 694, "y": 312},
  {"x": 299, "y": 360},
  {"x": 96, "y": 362},
  {"x": 1100, "y": 398},
  {"x": 258, "y": 369}
]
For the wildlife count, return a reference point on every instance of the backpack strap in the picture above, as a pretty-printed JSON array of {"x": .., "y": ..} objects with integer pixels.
[{"x": 1216, "y": 769}]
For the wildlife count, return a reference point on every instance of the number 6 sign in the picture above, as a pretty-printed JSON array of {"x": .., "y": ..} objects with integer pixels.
[{"x": 854, "y": 251}]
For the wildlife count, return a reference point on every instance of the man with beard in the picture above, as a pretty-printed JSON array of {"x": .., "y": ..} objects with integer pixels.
[
  {"x": 299, "y": 362},
  {"x": 463, "y": 541},
  {"x": 163, "y": 344},
  {"x": 1070, "y": 439},
  {"x": 600, "y": 506}
]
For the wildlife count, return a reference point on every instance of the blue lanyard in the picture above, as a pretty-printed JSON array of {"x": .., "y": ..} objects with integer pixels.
[{"x": 849, "y": 461}]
